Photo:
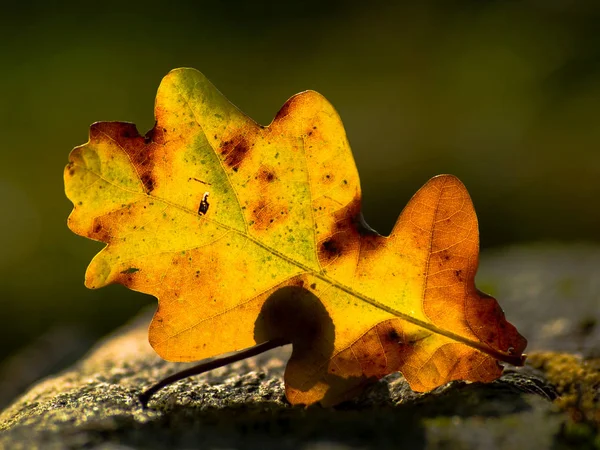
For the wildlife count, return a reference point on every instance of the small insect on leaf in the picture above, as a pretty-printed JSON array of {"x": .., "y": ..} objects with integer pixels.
[
  {"x": 203, "y": 208},
  {"x": 290, "y": 256}
]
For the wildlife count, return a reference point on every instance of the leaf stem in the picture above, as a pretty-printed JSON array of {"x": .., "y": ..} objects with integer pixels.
[{"x": 211, "y": 364}]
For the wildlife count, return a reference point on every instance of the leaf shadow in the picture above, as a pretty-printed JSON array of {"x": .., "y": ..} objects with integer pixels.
[
  {"x": 294, "y": 314},
  {"x": 297, "y": 315}
]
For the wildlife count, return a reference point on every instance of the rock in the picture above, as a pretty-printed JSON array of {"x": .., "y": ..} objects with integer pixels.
[
  {"x": 550, "y": 293},
  {"x": 57, "y": 348},
  {"x": 94, "y": 403}
]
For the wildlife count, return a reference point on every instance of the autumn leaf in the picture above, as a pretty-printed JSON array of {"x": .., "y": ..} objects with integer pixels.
[{"x": 248, "y": 233}]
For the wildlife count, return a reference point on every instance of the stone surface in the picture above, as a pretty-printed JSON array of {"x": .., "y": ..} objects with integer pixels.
[{"x": 551, "y": 294}]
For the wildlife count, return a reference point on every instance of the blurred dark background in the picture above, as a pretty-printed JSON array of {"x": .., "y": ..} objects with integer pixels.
[{"x": 503, "y": 94}]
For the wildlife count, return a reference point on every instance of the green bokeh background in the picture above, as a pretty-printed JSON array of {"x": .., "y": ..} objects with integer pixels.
[{"x": 503, "y": 94}]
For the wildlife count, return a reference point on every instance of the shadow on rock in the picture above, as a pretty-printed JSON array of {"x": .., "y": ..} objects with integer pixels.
[
  {"x": 268, "y": 425},
  {"x": 388, "y": 415}
]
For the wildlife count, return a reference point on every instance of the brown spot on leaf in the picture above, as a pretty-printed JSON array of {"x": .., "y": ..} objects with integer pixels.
[
  {"x": 266, "y": 174},
  {"x": 393, "y": 335},
  {"x": 139, "y": 149},
  {"x": 328, "y": 178},
  {"x": 330, "y": 249},
  {"x": 348, "y": 231},
  {"x": 99, "y": 231},
  {"x": 265, "y": 214},
  {"x": 397, "y": 347},
  {"x": 234, "y": 151},
  {"x": 127, "y": 278},
  {"x": 148, "y": 182}
]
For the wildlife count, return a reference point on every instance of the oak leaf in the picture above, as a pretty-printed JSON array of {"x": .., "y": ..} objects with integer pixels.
[{"x": 247, "y": 233}]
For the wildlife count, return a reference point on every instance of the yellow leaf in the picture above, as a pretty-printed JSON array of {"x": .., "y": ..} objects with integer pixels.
[{"x": 248, "y": 233}]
